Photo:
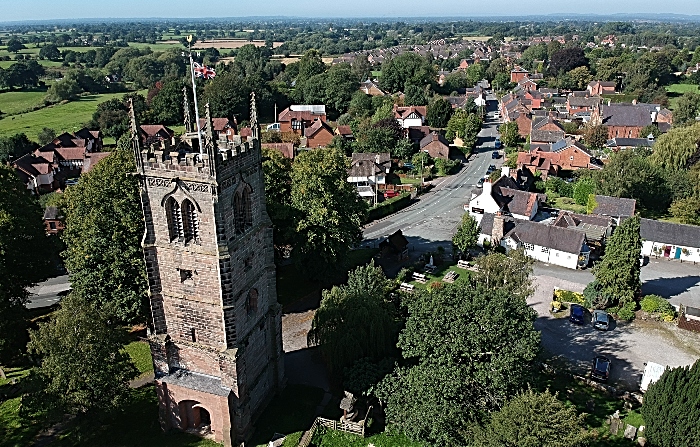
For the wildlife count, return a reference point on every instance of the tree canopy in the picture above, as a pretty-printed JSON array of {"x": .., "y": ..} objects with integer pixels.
[
  {"x": 331, "y": 211},
  {"x": 356, "y": 320},
  {"x": 618, "y": 272},
  {"x": 671, "y": 408},
  {"x": 104, "y": 228},
  {"x": 533, "y": 419},
  {"x": 469, "y": 349},
  {"x": 406, "y": 69},
  {"x": 467, "y": 234}
]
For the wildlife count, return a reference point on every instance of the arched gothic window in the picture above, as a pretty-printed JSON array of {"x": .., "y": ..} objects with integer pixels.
[
  {"x": 251, "y": 304},
  {"x": 243, "y": 210},
  {"x": 174, "y": 216},
  {"x": 190, "y": 221}
]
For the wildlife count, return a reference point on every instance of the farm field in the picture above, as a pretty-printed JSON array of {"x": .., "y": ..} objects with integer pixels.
[
  {"x": 60, "y": 117},
  {"x": 676, "y": 90},
  {"x": 16, "y": 102}
]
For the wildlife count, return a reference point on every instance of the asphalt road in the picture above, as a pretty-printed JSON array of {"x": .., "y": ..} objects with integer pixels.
[
  {"x": 48, "y": 292},
  {"x": 432, "y": 220}
]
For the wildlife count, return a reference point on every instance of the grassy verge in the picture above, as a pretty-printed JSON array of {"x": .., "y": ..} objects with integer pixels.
[{"x": 291, "y": 413}]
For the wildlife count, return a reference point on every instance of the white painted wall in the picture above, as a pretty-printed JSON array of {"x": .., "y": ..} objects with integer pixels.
[
  {"x": 556, "y": 257},
  {"x": 693, "y": 255}
]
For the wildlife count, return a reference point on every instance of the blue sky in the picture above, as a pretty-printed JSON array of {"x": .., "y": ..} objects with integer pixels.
[{"x": 66, "y": 9}]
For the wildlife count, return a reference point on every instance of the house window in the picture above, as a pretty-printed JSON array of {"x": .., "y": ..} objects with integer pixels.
[
  {"x": 545, "y": 250},
  {"x": 52, "y": 225},
  {"x": 571, "y": 158},
  {"x": 185, "y": 275},
  {"x": 190, "y": 221},
  {"x": 193, "y": 334},
  {"x": 528, "y": 246},
  {"x": 174, "y": 216},
  {"x": 251, "y": 304},
  {"x": 296, "y": 125}
]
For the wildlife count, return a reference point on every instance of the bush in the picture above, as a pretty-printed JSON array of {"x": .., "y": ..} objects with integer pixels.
[
  {"x": 389, "y": 206},
  {"x": 655, "y": 304},
  {"x": 404, "y": 274},
  {"x": 436, "y": 285},
  {"x": 627, "y": 312},
  {"x": 595, "y": 298},
  {"x": 568, "y": 296},
  {"x": 363, "y": 375}
]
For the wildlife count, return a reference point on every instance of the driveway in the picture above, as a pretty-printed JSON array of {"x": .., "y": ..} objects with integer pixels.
[{"x": 628, "y": 345}]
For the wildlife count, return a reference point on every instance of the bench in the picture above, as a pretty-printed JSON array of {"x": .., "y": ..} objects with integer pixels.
[
  {"x": 406, "y": 287},
  {"x": 463, "y": 264},
  {"x": 421, "y": 278},
  {"x": 450, "y": 277}
]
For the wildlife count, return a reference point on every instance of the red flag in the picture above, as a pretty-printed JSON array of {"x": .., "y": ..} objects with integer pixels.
[{"x": 202, "y": 71}]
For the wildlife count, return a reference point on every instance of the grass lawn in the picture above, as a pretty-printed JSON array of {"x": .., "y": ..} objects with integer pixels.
[
  {"x": 140, "y": 354},
  {"x": 67, "y": 117},
  {"x": 44, "y": 63},
  {"x": 331, "y": 438},
  {"x": 19, "y": 101},
  {"x": 567, "y": 203},
  {"x": 15, "y": 431},
  {"x": 440, "y": 273},
  {"x": 157, "y": 46},
  {"x": 291, "y": 413}
]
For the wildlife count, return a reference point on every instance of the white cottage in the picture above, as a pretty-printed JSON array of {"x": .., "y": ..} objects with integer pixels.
[
  {"x": 504, "y": 196},
  {"x": 547, "y": 243},
  {"x": 670, "y": 240}
]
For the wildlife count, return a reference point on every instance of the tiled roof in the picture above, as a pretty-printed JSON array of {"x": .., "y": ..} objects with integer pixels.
[
  {"x": 670, "y": 233},
  {"x": 70, "y": 153},
  {"x": 614, "y": 206},
  {"x": 195, "y": 381},
  {"x": 556, "y": 238},
  {"x": 546, "y": 136},
  {"x": 92, "y": 158},
  {"x": 431, "y": 137},
  {"x": 630, "y": 142},
  {"x": 576, "y": 101},
  {"x": 316, "y": 127},
  {"x": 626, "y": 115},
  {"x": 287, "y": 149}
]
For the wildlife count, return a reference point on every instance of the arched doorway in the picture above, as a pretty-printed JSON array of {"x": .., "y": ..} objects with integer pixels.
[{"x": 193, "y": 416}]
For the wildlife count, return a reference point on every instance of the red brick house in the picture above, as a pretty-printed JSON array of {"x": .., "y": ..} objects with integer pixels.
[
  {"x": 623, "y": 120},
  {"x": 546, "y": 130},
  {"x": 53, "y": 221},
  {"x": 319, "y": 134},
  {"x": 599, "y": 88},
  {"x": 436, "y": 146},
  {"x": 517, "y": 74},
  {"x": 564, "y": 155},
  {"x": 223, "y": 128},
  {"x": 298, "y": 118},
  {"x": 155, "y": 133},
  {"x": 582, "y": 104}
]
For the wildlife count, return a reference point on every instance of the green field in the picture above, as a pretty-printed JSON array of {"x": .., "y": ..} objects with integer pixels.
[
  {"x": 157, "y": 46},
  {"x": 675, "y": 91},
  {"x": 67, "y": 117},
  {"x": 20, "y": 101}
]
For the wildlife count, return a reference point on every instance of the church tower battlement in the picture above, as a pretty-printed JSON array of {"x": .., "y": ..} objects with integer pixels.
[{"x": 216, "y": 332}]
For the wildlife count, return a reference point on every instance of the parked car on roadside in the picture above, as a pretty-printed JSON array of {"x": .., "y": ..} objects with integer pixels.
[
  {"x": 495, "y": 154},
  {"x": 601, "y": 320},
  {"x": 497, "y": 144},
  {"x": 601, "y": 369},
  {"x": 390, "y": 194},
  {"x": 480, "y": 183},
  {"x": 577, "y": 314}
]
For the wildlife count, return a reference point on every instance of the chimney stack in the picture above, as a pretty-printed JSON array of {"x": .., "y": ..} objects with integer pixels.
[{"x": 497, "y": 229}]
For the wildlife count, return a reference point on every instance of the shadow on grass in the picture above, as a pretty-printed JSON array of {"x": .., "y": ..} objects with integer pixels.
[{"x": 294, "y": 410}]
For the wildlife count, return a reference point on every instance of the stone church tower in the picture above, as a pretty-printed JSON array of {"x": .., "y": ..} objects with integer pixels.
[{"x": 216, "y": 331}]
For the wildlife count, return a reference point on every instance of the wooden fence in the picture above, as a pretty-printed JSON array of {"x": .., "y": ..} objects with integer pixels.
[{"x": 356, "y": 428}]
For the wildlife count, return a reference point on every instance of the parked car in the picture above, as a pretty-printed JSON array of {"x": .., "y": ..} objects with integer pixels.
[
  {"x": 601, "y": 320},
  {"x": 480, "y": 183},
  {"x": 497, "y": 144},
  {"x": 577, "y": 314},
  {"x": 601, "y": 369},
  {"x": 495, "y": 154},
  {"x": 390, "y": 194},
  {"x": 492, "y": 168},
  {"x": 408, "y": 165}
]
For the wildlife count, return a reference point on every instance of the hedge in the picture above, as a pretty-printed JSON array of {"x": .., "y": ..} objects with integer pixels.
[{"x": 389, "y": 206}]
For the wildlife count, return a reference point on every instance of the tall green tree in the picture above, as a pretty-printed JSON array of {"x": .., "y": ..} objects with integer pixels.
[
  {"x": 510, "y": 273},
  {"x": 24, "y": 261},
  {"x": 470, "y": 349},
  {"x": 277, "y": 171},
  {"x": 677, "y": 149},
  {"x": 618, "y": 272},
  {"x": 596, "y": 136},
  {"x": 467, "y": 234},
  {"x": 356, "y": 320},
  {"x": 331, "y": 212},
  {"x": 104, "y": 228},
  {"x": 407, "y": 69},
  {"x": 533, "y": 419},
  {"x": 671, "y": 408},
  {"x": 167, "y": 106},
  {"x": 15, "y": 146},
  {"x": 509, "y": 133},
  {"x": 439, "y": 113},
  {"x": 687, "y": 109},
  {"x": 84, "y": 369}
]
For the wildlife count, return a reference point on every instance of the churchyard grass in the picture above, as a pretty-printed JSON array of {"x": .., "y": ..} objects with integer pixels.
[{"x": 140, "y": 354}]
